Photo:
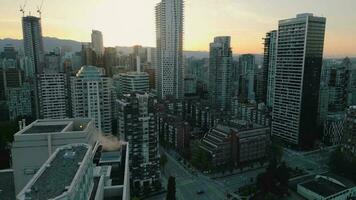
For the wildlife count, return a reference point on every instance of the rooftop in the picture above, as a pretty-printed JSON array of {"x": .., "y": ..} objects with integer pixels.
[
  {"x": 45, "y": 128},
  {"x": 55, "y": 126},
  {"x": 58, "y": 173},
  {"x": 324, "y": 186},
  {"x": 110, "y": 156}
]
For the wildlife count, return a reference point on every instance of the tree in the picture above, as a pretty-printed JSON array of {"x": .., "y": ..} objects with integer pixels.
[
  {"x": 163, "y": 160},
  {"x": 171, "y": 188},
  {"x": 276, "y": 153}
]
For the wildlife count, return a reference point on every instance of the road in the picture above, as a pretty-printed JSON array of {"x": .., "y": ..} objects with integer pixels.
[
  {"x": 315, "y": 162},
  {"x": 188, "y": 184}
]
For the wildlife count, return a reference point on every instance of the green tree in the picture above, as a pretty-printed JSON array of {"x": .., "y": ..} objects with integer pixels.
[
  {"x": 163, "y": 160},
  {"x": 171, "y": 188},
  {"x": 275, "y": 153}
]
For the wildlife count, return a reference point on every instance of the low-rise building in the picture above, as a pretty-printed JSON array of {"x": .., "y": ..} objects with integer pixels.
[
  {"x": 236, "y": 143},
  {"x": 173, "y": 133},
  {"x": 327, "y": 187}
]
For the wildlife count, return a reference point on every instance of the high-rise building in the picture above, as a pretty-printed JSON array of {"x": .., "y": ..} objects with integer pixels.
[
  {"x": 53, "y": 96},
  {"x": 269, "y": 64},
  {"x": 109, "y": 60},
  {"x": 246, "y": 83},
  {"x": 33, "y": 43},
  {"x": 136, "y": 125},
  {"x": 220, "y": 69},
  {"x": 91, "y": 97},
  {"x": 97, "y": 42},
  {"x": 169, "y": 34},
  {"x": 297, "y": 81},
  {"x": 33, "y": 48}
]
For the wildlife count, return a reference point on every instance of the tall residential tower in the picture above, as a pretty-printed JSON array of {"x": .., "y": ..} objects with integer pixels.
[
  {"x": 220, "y": 73},
  {"x": 169, "y": 34}
]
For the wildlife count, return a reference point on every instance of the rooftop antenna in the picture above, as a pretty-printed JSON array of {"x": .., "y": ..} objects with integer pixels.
[
  {"x": 39, "y": 9},
  {"x": 22, "y": 8}
]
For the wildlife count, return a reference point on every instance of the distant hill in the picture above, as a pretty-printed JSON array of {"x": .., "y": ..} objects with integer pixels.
[{"x": 49, "y": 43}]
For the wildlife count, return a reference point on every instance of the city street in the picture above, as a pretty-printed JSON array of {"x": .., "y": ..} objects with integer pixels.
[
  {"x": 315, "y": 162},
  {"x": 188, "y": 184}
]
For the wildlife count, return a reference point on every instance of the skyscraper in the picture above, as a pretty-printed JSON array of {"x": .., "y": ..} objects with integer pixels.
[
  {"x": 298, "y": 67},
  {"x": 91, "y": 97},
  {"x": 33, "y": 47},
  {"x": 97, "y": 43},
  {"x": 220, "y": 73},
  {"x": 136, "y": 125},
  {"x": 169, "y": 35},
  {"x": 269, "y": 65},
  {"x": 33, "y": 43}
]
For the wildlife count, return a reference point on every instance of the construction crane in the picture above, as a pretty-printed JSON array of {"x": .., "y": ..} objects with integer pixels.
[
  {"x": 22, "y": 8},
  {"x": 39, "y": 9}
]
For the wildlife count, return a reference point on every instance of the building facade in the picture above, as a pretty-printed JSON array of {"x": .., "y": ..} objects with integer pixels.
[
  {"x": 297, "y": 82},
  {"x": 269, "y": 64},
  {"x": 53, "y": 94}
]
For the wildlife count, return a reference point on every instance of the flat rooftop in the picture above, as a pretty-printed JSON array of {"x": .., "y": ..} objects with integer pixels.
[
  {"x": 323, "y": 187},
  {"x": 44, "y": 126},
  {"x": 58, "y": 174},
  {"x": 45, "y": 129}
]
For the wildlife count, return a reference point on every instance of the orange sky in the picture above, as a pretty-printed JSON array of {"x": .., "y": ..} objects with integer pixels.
[{"x": 130, "y": 22}]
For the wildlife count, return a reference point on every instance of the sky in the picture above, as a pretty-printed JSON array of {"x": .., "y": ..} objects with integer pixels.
[{"x": 131, "y": 22}]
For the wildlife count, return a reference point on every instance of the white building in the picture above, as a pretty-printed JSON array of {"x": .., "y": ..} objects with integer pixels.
[
  {"x": 66, "y": 175},
  {"x": 53, "y": 96},
  {"x": 297, "y": 81},
  {"x": 91, "y": 97},
  {"x": 97, "y": 42},
  {"x": 169, "y": 35},
  {"x": 79, "y": 172},
  {"x": 35, "y": 143}
]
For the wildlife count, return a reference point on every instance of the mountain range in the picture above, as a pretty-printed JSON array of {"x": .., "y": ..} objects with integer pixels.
[{"x": 51, "y": 43}]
